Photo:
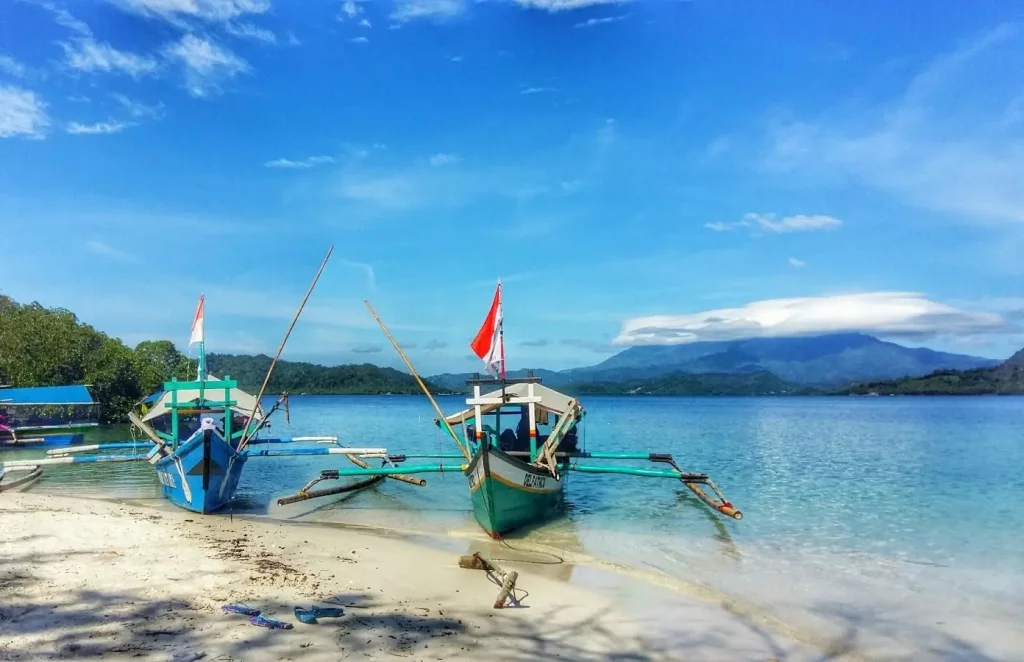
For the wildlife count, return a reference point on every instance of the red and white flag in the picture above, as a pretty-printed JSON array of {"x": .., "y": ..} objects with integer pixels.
[
  {"x": 197, "y": 323},
  {"x": 489, "y": 343}
]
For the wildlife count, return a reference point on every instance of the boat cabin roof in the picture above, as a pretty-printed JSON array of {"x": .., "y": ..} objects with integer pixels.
[
  {"x": 77, "y": 394},
  {"x": 550, "y": 400},
  {"x": 244, "y": 402}
]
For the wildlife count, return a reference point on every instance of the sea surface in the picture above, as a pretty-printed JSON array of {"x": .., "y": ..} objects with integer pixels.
[{"x": 884, "y": 524}]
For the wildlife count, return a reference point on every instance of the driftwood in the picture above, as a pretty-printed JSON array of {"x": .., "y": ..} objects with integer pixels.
[{"x": 508, "y": 579}]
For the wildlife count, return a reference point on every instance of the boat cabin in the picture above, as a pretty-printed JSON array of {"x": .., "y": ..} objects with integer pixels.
[
  {"x": 46, "y": 408},
  {"x": 518, "y": 417},
  {"x": 176, "y": 413}
]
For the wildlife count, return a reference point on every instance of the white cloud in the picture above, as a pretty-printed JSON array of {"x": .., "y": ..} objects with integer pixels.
[
  {"x": 536, "y": 90},
  {"x": 359, "y": 40},
  {"x": 293, "y": 40},
  {"x": 310, "y": 162},
  {"x": 250, "y": 31},
  {"x": 138, "y": 109},
  {"x": 796, "y": 263},
  {"x": 943, "y": 144},
  {"x": 214, "y": 11},
  {"x": 769, "y": 223},
  {"x": 22, "y": 113},
  {"x": 407, "y": 10},
  {"x": 455, "y": 58},
  {"x": 12, "y": 67},
  {"x": 351, "y": 9},
  {"x": 589, "y": 23},
  {"x": 882, "y": 313},
  {"x": 65, "y": 19},
  {"x": 564, "y": 5},
  {"x": 443, "y": 159},
  {"x": 367, "y": 269},
  {"x": 86, "y": 54},
  {"x": 365, "y": 23},
  {"x": 106, "y": 250},
  {"x": 206, "y": 63},
  {"x": 99, "y": 128}
]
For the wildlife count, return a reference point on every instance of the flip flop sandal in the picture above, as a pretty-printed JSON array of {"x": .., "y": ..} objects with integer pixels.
[
  {"x": 327, "y": 612},
  {"x": 264, "y": 622},
  {"x": 244, "y": 610},
  {"x": 305, "y": 616}
]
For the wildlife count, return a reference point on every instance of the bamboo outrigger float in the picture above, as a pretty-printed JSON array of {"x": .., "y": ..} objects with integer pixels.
[{"x": 516, "y": 476}]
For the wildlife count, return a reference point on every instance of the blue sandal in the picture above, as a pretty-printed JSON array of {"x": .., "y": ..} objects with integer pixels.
[
  {"x": 264, "y": 622},
  {"x": 244, "y": 610}
]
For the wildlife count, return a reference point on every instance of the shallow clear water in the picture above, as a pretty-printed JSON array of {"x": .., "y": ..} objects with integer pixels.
[{"x": 917, "y": 498}]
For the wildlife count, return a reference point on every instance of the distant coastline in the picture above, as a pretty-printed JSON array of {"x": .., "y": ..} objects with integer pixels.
[{"x": 49, "y": 346}]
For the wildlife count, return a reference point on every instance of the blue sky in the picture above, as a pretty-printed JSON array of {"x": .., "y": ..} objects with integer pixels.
[{"x": 635, "y": 172}]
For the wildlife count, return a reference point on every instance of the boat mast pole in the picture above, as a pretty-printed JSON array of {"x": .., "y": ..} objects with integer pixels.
[
  {"x": 441, "y": 418},
  {"x": 247, "y": 435}
]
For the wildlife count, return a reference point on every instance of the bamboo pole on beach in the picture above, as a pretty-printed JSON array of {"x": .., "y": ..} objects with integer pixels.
[
  {"x": 419, "y": 381},
  {"x": 266, "y": 380}
]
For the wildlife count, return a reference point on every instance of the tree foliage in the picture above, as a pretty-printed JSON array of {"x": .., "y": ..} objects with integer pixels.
[{"x": 50, "y": 347}]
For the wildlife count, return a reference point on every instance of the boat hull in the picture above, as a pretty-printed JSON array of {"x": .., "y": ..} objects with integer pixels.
[
  {"x": 509, "y": 494},
  {"x": 201, "y": 475},
  {"x": 28, "y": 438}
]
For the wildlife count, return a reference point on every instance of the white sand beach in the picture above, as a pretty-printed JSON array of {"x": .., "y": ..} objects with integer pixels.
[{"x": 93, "y": 579}]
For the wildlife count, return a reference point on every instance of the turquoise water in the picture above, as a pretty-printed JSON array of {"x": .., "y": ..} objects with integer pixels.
[{"x": 846, "y": 499}]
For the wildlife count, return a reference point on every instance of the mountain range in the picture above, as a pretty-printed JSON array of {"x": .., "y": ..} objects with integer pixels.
[{"x": 827, "y": 361}]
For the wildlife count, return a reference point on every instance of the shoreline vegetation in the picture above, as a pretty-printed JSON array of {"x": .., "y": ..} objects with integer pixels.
[{"x": 49, "y": 346}]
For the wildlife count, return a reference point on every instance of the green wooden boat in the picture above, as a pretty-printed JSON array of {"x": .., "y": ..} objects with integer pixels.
[{"x": 517, "y": 443}]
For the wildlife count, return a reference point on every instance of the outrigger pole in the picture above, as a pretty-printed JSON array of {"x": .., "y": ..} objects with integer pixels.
[
  {"x": 408, "y": 363},
  {"x": 247, "y": 435}
]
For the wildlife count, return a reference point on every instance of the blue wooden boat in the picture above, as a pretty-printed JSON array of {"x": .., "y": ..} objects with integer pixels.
[
  {"x": 45, "y": 415},
  {"x": 198, "y": 466}
]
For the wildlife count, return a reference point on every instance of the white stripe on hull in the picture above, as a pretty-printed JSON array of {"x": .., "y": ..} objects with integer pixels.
[{"x": 511, "y": 474}]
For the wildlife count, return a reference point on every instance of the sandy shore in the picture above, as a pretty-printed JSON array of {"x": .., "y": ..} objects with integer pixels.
[{"x": 98, "y": 579}]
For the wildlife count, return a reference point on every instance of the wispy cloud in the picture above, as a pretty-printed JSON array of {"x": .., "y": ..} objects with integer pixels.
[
  {"x": 137, "y": 109},
  {"x": 407, "y": 10},
  {"x": 455, "y": 58},
  {"x": 565, "y": 5},
  {"x": 87, "y": 54},
  {"x": 22, "y": 113},
  {"x": 796, "y": 264},
  {"x": 589, "y": 23},
  {"x": 536, "y": 90},
  {"x": 365, "y": 23},
  {"x": 250, "y": 31},
  {"x": 943, "y": 144},
  {"x": 443, "y": 159},
  {"x": 293, "y": 40},
  {"x": 367, "y": 269},
  {"x": 177, "y": 11},
  {"x": 540, "y": 342},
  {"x": 770, "y": 223},
  {"x": 106, "y": 250},
  {"x": 99, "y": 128},
  {"x": 434, "y": 345},
  {"x": 12, "y": 67},
  {"x": 367, "y": 349},
  {"x": 359, "y": 40},
  {"x": 306, "y": 163},
  {"x": 882, "y": 313},
  {"x": 206, "y": 63},
  {"x": 64, "y": 19}
]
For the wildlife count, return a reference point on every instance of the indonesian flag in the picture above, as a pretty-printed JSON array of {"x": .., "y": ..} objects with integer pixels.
[
  {"x": 197, "y": 323},
  {"x": 489, "y": 344}
]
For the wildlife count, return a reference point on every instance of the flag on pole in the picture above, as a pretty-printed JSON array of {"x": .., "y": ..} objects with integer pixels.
[
  {"x": 197, "y": 323},
  {"x": 489, "y": 343}
]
